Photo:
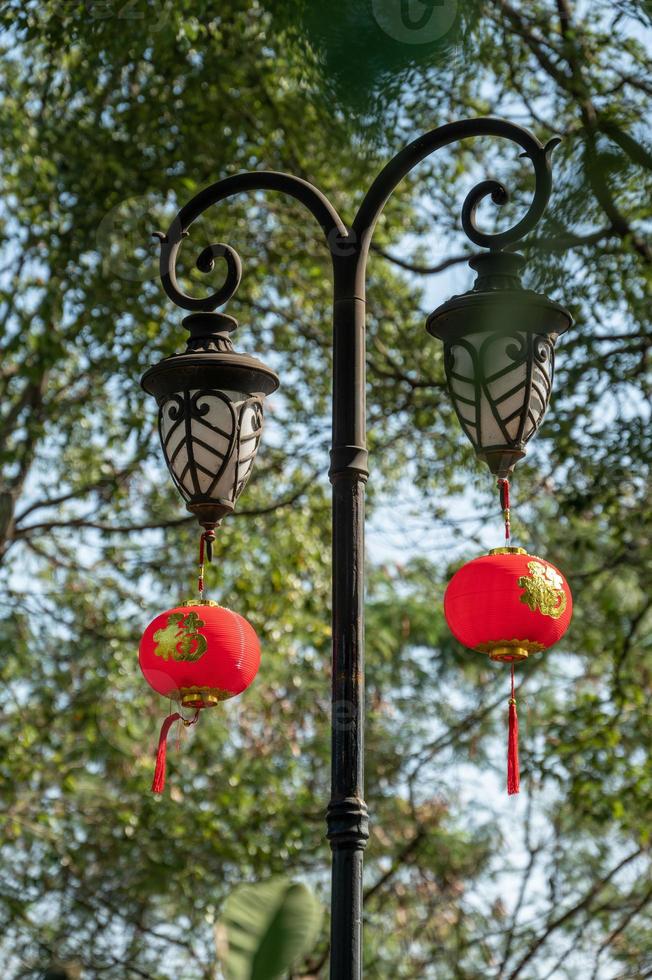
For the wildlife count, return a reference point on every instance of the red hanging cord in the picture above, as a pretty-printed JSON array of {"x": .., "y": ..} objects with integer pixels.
[
  {"x": 503, "y": 487},
  {"x": 513, "y": 773},
  {"x": 200, "y": 580},
  {"x": 158, "y": 783},
  {"x": 205, "y": 544}
]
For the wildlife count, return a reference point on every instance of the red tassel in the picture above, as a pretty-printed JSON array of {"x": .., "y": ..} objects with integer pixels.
[
  {"x": 158, "y": 783},
  {"x": 513, "y": 773}
]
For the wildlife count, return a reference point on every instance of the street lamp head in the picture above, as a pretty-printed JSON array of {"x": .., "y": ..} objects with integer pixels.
[
  {"x": 210, "y": 402},
  {"x": 499, "y": 357}
]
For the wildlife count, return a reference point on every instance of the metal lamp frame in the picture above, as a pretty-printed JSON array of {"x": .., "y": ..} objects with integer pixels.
[{"x": 347, "y": 818}]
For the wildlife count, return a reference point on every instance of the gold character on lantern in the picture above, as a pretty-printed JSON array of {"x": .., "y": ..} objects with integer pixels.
[
  {"x": 544, "y": 591},
  {"x": 180, "y": 639}
]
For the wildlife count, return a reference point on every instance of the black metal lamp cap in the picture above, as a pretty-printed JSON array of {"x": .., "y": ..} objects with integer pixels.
[
  {"x": 498, "y": 302},
  {"x": 209, "y": 331},
  {"x": 497, "y": 270},
  {"x": 209, "y": 361}
]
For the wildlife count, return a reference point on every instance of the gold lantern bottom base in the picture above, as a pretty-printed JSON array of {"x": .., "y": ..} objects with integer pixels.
[
  {"x": 510, "y": 651},
  {"x": 202, "y": 697},
  {"x": 508, "y": 655}
]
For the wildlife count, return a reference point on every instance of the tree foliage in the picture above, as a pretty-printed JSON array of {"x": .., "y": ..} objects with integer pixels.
[{"x": 112, "y": 115}]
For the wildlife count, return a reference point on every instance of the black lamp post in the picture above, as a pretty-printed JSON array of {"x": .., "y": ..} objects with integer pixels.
[{"x": 499, "y": 340}]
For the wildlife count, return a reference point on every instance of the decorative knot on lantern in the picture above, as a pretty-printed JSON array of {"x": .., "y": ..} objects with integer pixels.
[
  {"x": 508, "y": 604},
  {"x": 198, "y": 654}
]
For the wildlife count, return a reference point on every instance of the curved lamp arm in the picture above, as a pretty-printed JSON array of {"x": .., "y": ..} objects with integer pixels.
[
  {"x": 319, "y": 206},
  {"x": 411, "y": 155},
  {"x": 353, "y": 245}
]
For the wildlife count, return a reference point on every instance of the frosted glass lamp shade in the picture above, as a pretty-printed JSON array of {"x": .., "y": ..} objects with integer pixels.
[
  {"x": 210, "y": 438},
  {"x": 500, "y": 385},
  {"x": 499, "y": 353},
  {"x": 210, "y": 415}
]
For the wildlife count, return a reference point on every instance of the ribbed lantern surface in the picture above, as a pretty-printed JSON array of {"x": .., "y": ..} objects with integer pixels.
[
  {"x": 508, "y": 604},
  {"x": 199, "y": 653}
]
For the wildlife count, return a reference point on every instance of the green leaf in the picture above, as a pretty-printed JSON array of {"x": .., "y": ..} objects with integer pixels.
[{"x": 268, "y": 927}]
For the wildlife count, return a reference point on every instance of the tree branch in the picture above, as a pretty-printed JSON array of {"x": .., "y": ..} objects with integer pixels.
[
  {"x": 422, "y": 270},
  {"x": 580, "y": 906},
  {"x": 87, "y": 522}
]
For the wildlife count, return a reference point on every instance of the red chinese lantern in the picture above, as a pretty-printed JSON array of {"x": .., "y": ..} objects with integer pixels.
[
  {"x": 508, "y": 604},
  {"x": 198, "y": 654}
]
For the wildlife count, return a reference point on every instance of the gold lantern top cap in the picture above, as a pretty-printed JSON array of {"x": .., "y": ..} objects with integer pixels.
[{"x": 508, "y": 551}]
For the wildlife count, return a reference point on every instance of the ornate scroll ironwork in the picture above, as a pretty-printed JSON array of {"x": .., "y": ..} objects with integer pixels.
[
  {"x": 351, "y": 245},
  {"x": 538, "y": 153},
  {"x": 295, "y": 187}
]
